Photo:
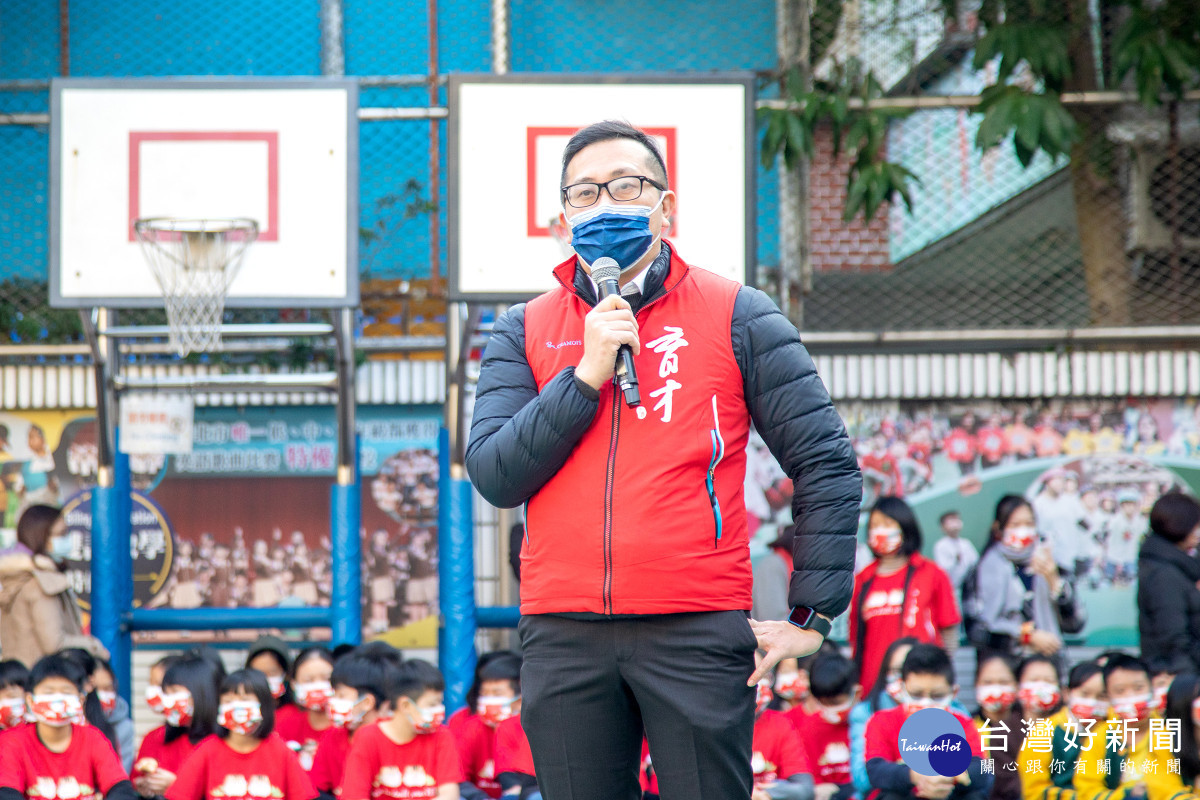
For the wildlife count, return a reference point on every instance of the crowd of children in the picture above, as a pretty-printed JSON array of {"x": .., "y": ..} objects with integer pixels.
[{"x": 363, "y": 723}]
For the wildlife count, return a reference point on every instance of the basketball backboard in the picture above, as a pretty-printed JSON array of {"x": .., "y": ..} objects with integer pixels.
[
  {"x": 507, "y": 135},
  {"x": 283, "y": 153}
]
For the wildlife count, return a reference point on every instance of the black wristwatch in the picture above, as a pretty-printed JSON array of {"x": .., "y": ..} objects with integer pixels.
[{"x": 808, "y": 619}]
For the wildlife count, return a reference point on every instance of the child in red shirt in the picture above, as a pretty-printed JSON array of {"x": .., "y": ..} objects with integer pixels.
[
  {"x": 188, "y": 701},
  {"x": 302, "y": 723},
  {"x": 825, "y": 734},
  {"x": 498, "y": 698},
  {"x": 58, "y": 756},
  {"x": 246, "y": 760},
  {"x": 360, "y": 682},
  {"x": 514, "y": 761},
  {"x": 410, "y": 755},
  {"x": 780, "y": 767},
  {"x": 928, "y": 679}
]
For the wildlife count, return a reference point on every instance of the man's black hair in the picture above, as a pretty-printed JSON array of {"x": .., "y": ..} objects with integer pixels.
[
  {"x": 202, "y": 678},
  {"x": 253, "y": 682},
  {"x": 1082, "y": 672},
  {"x": 928, "y": 659},
  {"x": 56, "y": 665},
  {"x": 1174, "y": 515},
  {"x": 368, "y": 669},
  {"x": 483, "y": 660},
  {"x": 607, "y": 131},
  {"x": 1126, "y": 662},
  {"x": 14, "y": 673},
  {"x": 910, "y": 531},
  {"x": 413, "y": 679},
  {"x": 832, "y": 674}
]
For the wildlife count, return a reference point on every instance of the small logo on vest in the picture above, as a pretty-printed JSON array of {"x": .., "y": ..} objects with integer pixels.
[{"x": 568, "y": 343}]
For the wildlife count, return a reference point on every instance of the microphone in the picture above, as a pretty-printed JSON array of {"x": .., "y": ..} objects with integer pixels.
[{"x": 606, "y": 272}]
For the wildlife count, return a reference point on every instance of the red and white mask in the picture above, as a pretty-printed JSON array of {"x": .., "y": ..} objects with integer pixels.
[
  {"x": 1088, "y": 708},
  {"x": 494, "y": 709},
  {"x": 108, "y": 701},
  {"x": 1038, "y": 697},
  {"x": 995, "y": 697},
  {"x": 57, "y": 710},
  {"x": 792, "y": 686},
  {"x": 177, "y": 709},
  {"x": 429, "y": 719},
  {"x": 1159, "y": 702},
  {"x": 884, "y": 540},
  {"x": 154, "y": 698},
  {"x": 837, "y": 715},
  {"x": 240, "y": 716},
  {"x": 1196, "y": 711},
  {"x": 277, "y": 685},
  {"x": 342, "y": 714},
  {"x": 12, "y": 712},
  {"x": 1133, "y": 708},
  {"x": 762, "y": 697},
  {"x": 313, "y": 696}
]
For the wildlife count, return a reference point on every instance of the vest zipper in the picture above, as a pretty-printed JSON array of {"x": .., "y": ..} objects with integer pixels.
[
  {"x": 609, "y": 480},
  {"x": 718, "y": 453}
]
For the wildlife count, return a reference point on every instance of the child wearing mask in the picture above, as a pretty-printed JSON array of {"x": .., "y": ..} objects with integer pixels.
[
  {"x": 58, "y": 755},
  {"x": 1043, "y": 717},
  {"x": 410, "y": 754},
  {"x": 14, "y": 682},
  {"x": 245, "y": 760},
  {"x": 498, "y": 699},
  {"x": 781, "y": 769},
  {"x": 1085, "y": 710},
  {"x": 269, "y": 655},
  {"x": 154, "y": 683},
  {"x": 514, "y": 762},
  {"x": 825, "y": 735},
  {"x": 189, "y": 708},
  {"x": 883, "y": 694},
  {"x": 1133, "y": 768},
  {"x": 999, "y": 723},
  {"x": 360, "y": 682},
  {"x": 302, "y": 723},
  {"x": 928, "y": 679},
  {"x": 114, "y": 708}
]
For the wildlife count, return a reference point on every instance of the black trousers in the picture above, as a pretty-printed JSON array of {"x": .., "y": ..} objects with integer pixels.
[{"x": 590, "y": 687}]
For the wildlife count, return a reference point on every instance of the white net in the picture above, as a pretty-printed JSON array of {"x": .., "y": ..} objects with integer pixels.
[{"x": 194, "y": 262}]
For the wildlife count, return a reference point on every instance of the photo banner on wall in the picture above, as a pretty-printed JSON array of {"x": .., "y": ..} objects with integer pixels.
[{"x": 507, "y": 133}]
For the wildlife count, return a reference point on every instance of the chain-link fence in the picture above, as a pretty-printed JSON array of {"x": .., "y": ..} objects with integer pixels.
[{"x": 1107, "y": 233}]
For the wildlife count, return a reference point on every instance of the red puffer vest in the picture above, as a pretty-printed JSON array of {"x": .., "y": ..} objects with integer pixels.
[{"x": 647, "y": 516}]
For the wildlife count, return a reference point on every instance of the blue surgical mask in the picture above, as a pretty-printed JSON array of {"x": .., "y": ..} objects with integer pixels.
[
  {"x": 620, "y": 232},
  {"x": 60, "y": 548}
]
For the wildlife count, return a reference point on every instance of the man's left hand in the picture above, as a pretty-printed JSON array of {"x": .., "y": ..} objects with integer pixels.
[{"x": 779, "y": 640}]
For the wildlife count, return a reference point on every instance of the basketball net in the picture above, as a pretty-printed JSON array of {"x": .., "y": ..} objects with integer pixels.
[{"x": 194, "y": 262}]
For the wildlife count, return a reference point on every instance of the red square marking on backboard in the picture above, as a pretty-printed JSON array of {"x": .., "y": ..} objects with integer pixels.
[
  {"x": 533, "y": 228},
  {"x": 269, "y": 233}
]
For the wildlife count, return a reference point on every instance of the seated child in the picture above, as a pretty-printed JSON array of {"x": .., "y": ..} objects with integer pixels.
[
  {"x": 825, "y": 735},
  {"x": 246, "y": 760},
  {"x": 409, "y": 755},
  {"x": 58, "y": 756},
  {"x": 928, "y": 682},
  {"x": 14, "y": 682},
  {"x": 514, "y": 762},
  {"x": 781, "y": 770},
  {"x": 498, "y": 698}
]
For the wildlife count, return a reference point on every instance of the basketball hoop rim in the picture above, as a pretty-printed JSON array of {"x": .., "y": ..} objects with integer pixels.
[{"x": 148, "y": 227}]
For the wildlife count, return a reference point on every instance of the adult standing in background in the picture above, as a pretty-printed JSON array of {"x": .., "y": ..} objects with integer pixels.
[
  {"x": 1168, "y": 579},
  {"x": 772, "y": 574},
  {"x": 635, "y": 578},
  {"x": 954, "y": 554}
]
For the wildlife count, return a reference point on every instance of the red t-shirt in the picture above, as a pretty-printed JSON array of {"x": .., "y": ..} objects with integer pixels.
[
  {"x": 377, "y": 767},
  {"x": 959, "y": 446},
  {"x": 169, "y": 756},
  {"x": 930, "y": 607},
  {"x": 991, "y": 441},
  {"x": 218, "y": 772},
  {"x": 459, "y": 718},
  {"x": 88, "y": 768},
  {"x": 882, "y": 738},
  {"x": 476, "y": 742},
  {"x": 827, "y": 746},
  {"x": 294, "y": 727},
  {"x": 777, "y": 752},
  {"x": 512, "y": 748},
  {"x": 329, "y": 763}
]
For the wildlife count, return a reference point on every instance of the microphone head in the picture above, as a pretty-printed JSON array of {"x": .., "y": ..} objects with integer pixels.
[{"x": 605, "y": 269}]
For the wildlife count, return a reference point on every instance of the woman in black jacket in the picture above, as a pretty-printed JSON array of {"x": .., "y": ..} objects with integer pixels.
[{"x": 1168, "y": 597}]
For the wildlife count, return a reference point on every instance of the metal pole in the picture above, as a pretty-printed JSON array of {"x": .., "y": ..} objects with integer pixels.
[
  {"x": 792, "y": 25},
  {"x": 333, "y": 53},
  {"x": 500, "y": 42},
  {"x": 456, "y": 579},
  {"x": 346, "y": 500},
  {"x": 435, "y": 147}
]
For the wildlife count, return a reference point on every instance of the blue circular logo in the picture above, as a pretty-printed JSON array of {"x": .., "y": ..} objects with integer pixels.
[{"x": 931, "y": 742}]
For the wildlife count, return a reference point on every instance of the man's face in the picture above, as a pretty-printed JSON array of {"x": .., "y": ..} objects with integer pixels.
[{"x": 603, "y": 161}]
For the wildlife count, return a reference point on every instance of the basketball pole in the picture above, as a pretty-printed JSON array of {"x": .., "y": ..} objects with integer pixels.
[{"x": 346, "y": 501}]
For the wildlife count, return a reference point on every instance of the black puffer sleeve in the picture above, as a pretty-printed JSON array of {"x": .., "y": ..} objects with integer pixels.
[
  {"x": 520, "y": 438},
  {"x": 793, "y": 413}
]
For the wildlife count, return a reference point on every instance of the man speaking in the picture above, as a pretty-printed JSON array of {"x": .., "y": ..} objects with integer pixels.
[{"x": 635, "y": 569}]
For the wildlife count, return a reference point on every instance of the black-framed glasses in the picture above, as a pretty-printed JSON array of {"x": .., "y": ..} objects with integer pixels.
[{"x": 622, "y": 189}]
